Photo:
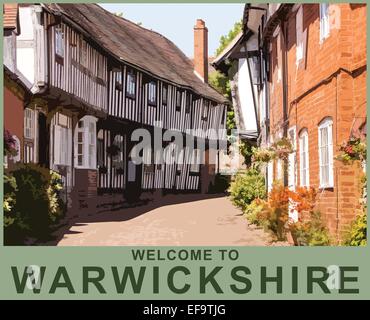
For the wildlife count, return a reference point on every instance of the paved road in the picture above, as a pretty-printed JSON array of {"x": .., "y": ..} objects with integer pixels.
[{"x": 179, "y": 221}]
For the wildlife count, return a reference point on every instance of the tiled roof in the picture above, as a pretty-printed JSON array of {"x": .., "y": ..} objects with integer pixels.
[
  {"x": 10, "y": 11},
  {"x": 136, "y": 45}
]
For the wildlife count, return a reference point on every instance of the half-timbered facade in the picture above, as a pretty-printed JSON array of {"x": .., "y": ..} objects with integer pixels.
[{"x": 96, "y": 79}]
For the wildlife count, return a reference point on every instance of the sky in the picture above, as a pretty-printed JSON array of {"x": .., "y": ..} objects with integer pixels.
[{"x": 176, "y": 21}]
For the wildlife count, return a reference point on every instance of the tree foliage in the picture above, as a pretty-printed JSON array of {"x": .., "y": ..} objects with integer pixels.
[{"x": 226, "y": 39}]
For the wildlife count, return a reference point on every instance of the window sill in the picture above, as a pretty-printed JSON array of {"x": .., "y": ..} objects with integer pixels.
[
  {"x": 329, "y": 188},
  {"x": 130, "y": 96}
]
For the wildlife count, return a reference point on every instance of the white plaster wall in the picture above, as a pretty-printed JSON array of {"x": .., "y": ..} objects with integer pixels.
[
  {"x": 25, "y": 44},
  {"x": 246, "y": 96}
]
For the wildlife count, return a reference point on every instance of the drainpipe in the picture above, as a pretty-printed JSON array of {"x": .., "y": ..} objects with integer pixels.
[
  {"x": 283, "y": 28},
  {"x": 336, "y": 186}
]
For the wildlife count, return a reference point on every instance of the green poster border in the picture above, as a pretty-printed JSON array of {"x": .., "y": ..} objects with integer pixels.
[{"x": 74, "y": 258}]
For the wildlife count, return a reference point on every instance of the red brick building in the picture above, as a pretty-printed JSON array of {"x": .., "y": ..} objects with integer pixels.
[
  {"x": 16, "y": 87},
  {"x": 307, "y": 66}
]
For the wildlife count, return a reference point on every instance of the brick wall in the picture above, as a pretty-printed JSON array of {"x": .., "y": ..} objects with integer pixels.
[
  {"x": 342, "y": 96},
  {"x": 13, "y": 112}
]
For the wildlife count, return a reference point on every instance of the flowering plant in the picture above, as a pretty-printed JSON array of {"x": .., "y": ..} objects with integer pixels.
[
  {"x": 283, "y": 148},
  {"x": 262, "y": 154},
  {"x": 9, "y": 144},
  {"x": 351, "y": 150},
  {"x": 280, "y": 150}
]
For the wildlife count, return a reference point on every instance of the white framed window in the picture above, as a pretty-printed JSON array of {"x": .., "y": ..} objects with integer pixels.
[
  {"x": 299, "y": 35},
  {"x": 304, "y": 167},
  {"x": 205, "y": 111},
  {"x": 59, "y": 41},
  {"x": 83, "y": 53},
  {"x": 117, "y": 159},
  {"x": 29, "y": 123},
  {"x": 100, "y": 150},
  {"x": 118, "y": 79},
  {"x": 62, "y": 145},
  {"x": 324, "y": 21},
  {"x": 326, "y": 153},
  {"x": 292, "y": 171},
  {"x": 195, "y": 161},
  {"x": 164, "y": 94},
  {"x": 178, "y": 100},
  {"x": 131, "y": 84},
  {"x": 152, "y": 93},
  {"x": 85, "y": 143}
]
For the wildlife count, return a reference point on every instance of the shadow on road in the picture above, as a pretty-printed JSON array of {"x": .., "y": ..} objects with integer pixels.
[{"x": 123, "y": 214}]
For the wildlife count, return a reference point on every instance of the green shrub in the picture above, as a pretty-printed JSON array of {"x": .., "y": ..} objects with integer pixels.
[
  {"x": 37, "y": 205},
  {"x": 10, "y": 187},
  {"x": 221, "y": 184},
  {"x": 253, "y": 210},
  {"x": 247, "y": 186},
  {"x": 312, "y": 232},
  {"x": 357, "y": 233}
]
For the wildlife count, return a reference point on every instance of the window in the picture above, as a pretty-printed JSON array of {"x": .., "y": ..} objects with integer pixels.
[
  {"x": 188, "y": 103},
  {"x": 205, "y": 111},
  {"x": 164, "y": 94},
  {"x": 326, "y": 153},
  {"x": 304, "y": 173},
  {"x": 100, "y": 149},
  {"x": 131, "y": 85},
  {"x": 29, "y": 123},
  {"x": 195, "y": 163},
  {"x": 62, "y": 145},
  {"x": 117, "y": 159},
  {"x": 223, "y": 116},
  {"x": 118, "y": 79},
  {"x": 92, "y": 145},
  {"x": 85, "y": 143},
  {"x": 59, "y": 41},
  {"x": 152, "y": 93},
  {"x": 299, "y": 35},
  {"x": 178, "y": 101},
  {"x": 83, "y": 53},
  {"x": 324, "y": 21}
]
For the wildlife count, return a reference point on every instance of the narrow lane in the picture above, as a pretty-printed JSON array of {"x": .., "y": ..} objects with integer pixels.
[{"x": 207, "y": 222}]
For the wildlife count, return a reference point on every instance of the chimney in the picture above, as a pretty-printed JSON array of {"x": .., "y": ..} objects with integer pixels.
[{"x": 201, "y": 49}]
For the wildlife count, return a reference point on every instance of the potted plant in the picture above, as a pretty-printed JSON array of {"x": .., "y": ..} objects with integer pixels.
[{"x": 352, "y": 150}]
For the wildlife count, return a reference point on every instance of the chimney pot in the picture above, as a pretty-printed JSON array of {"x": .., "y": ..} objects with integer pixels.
[{"x": 201, "y": 49}]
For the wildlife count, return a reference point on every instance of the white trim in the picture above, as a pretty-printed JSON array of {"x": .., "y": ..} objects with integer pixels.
[
  {"x": 29, "y": 123},
  {"x": 327, "y": 123},
  {"x": 304, "y": 154},
  {"x": 324, "y": 21},
  {"x": 299, "y": 35},
  {"x": 292, "y": 167},
  {"x": 86, "y": 130}
]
